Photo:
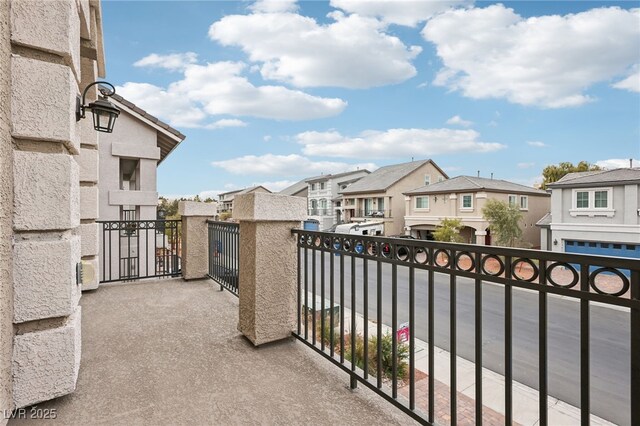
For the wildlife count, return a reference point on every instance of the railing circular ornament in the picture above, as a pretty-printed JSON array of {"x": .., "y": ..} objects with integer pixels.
[
  {"x": 346, "y": 245},
  {"x": 500, "y": 270},
  {"x": 472, "y": 263},
  {"x": 420, "y": 256},
  {"x": 327, "y": 242},
  {"x": 317, "y": 241},
  {"x": 437, "y": 256},
  {"x": 575, "y": 276},
  {"x": 402, "y": 253},
  {"x": 372, "y": 248},
  {"x": 359, "y": 247},
  {"x": 594, "y": 285},
  {"x": 337, "y": 244},
  {"x": 310, "y": 240},
  {"x": 386, "y": 250},
  {"x": 534, "y": 268}
]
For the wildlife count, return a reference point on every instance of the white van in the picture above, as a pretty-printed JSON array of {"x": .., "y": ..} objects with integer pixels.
[{"x": 363, "y": 228}]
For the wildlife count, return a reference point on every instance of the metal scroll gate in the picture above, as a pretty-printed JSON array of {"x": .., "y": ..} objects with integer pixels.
[{"x": 137, "y": 249}]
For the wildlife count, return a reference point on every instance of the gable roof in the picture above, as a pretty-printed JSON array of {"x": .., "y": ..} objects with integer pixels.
[
  {"x": 335, "y": 176},
  {"x": 295, "y": 188},
  {"x": 243, "y": 191},
  {"x": 474, "y": 184},
  {"x": 599, "y": 178},
  {"x": 168, "y": 137},
  {"x": 384, "y": 177}
]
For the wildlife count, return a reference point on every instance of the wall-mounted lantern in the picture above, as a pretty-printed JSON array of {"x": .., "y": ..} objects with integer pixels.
[
  {"x": 104, "y": 112},
  {"x": 555, "y": 242}
]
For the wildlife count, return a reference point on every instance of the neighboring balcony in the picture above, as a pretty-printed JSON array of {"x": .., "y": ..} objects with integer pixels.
[
  {"x": 373, "y": 213},
  {"x": 320, "y": 212}
]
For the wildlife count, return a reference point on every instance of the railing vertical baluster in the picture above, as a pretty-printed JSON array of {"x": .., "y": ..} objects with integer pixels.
[
  {"x": 585, "y": 382},
  {"x": 313, "y": 291},
  {"x": 635, "y": 346},
  {"x": 478, "y": 336},
  {"x": 104, "y": 253},
  {"x": 394, "y": 329},
  {"x": 332, "y": 324},
  {"x": 412, "y": 345},
  {"x": 306, "y": 290},
  {"x": 365, "y": 311},
  {"x": 322, "y": 307},
  {"x": 508, "y": 346},
  {"x": 354, "y": 382},
  {"x": 299, "y": 294},
  {"x": 453, "y": 351},
  {"x": 431, "y": 333},
  {"x": 342, "y": 240},
  {"x": 379, "y": 322},
  {"x": 542, "y": 348}
]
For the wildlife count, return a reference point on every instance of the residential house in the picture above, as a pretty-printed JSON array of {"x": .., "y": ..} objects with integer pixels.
[
  {"x": 379, "y": 195},
  {"x": 463, "y": 198},
  {"x": 596, "y": 212},
  {"x": 324, "y": 199},
  {"x": 298, "y": 189},
  {"x": 225, "y": 200}
]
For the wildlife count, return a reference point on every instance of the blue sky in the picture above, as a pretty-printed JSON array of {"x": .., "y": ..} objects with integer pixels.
[{"x": 271, "y": 92}]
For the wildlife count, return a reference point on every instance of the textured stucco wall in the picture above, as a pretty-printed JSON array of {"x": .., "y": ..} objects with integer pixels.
[
  {"x": 6, "y": 208},
  {"x": 195, "y": 247}
]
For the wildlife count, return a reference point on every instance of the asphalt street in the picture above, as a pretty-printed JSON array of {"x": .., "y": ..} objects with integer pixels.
[{"x": 609, "y": 331}]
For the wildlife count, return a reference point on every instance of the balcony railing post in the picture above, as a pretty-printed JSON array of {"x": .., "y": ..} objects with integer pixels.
[
  {"x": 268, "y": 264},
  {"x": 195, "y": 261}
]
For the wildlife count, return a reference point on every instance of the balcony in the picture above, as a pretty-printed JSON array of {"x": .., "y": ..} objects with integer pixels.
[
  {"x": 373, "y": 213},
  {"x": 320, "y": 212},
  {"x": 168, "y": 352}
]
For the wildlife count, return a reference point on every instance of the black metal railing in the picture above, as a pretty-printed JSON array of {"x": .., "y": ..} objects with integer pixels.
[
  {"x": 136, "y": 249},
  {"x": 355, "y": 293},
  {"x": 373, "y": 213},
  {"x": 224, "y": 255}
]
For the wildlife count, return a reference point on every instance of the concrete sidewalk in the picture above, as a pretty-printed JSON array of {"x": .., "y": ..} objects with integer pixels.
[{"x": 525, "y": 398}]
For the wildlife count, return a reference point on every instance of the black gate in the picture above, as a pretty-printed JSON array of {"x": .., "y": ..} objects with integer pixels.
[
  {"x": 136, "y": 249},
  {"x": 224, "y": 254}
]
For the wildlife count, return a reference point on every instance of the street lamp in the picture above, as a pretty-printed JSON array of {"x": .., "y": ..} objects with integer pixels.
[{"x": 104, "y": 112}]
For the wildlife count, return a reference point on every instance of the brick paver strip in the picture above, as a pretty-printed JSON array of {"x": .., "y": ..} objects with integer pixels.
[{"x": 466, "y": 406}]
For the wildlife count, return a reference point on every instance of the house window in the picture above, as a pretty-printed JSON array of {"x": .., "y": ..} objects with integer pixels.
[
  {"x": 524, "y": 202},
  {"x": 313, "y": 186},
  {"x": 368, "y": 206},
  {"x": 467, "y": 201},
  {"x": 440, "y": 178},
  {"x": 427, "y": 179},
  {"x": 512, "y": 200},
  {"x": 322, "y": 185},
  {"x": 380, "y": 204},
  {"x": 601, "y": 199},
  {"x": 422, "y": 202},
  {"x": 582, "y": 200}
]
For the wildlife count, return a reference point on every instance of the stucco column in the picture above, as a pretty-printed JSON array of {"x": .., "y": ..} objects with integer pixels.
[
  {"x": 195, "y": 244},
  {"x": 480, "y": 237},
  {"x": 268, "y": 264}
]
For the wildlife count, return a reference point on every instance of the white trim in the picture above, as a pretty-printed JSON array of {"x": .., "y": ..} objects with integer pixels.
[
  {"x": 515, "y": 203},
  {"x": 592, "y": 210},
  {"x": 526, "y": 197},
  {"x": 462, "y": 207},
  {"x": 415, "y": 205},
  {"x": 595, "y": 227}
]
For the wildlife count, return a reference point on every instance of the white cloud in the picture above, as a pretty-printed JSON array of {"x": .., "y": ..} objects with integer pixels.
[
  {"x": 537, "y": 144},
  {"x": 632, "y": 82},
  {"x": 422, "y": 85},
  {"x": 617, "y": 163},
  {"x": 525, "y": 165},
  {"x": 171, "y": 62},
  {"x": 285, "y": 165},
  {"x": 408, "y": 13},
  {"x": 226, "y": 122},
  {"x": 452, "y": 168},
  {"x": 266, "y": 138},
  {"x": 456, "y": 120},
  {"x": 220, "y": 89},
  {"x": 274, "y": 6},
  {"x": 546, "y": 61},
  {"x": 394, "y": 143},
  {"x": 352, "y": 51}
]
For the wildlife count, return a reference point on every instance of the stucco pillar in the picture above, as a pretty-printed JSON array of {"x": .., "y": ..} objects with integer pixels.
[
  {"x": 195, "y": 260},
  {"x": 480, "y": 237},
  {"x": 268, "y": 264}
]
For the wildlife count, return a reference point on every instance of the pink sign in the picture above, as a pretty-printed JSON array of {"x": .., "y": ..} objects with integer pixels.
[{"x": 403, "y": 333}]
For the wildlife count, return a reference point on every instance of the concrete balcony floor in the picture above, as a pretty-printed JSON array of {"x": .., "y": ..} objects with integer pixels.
[{"x": 168, "y": 352}]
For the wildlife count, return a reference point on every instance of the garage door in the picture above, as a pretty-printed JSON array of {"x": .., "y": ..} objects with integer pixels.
[{"x": 603, "y": 249}]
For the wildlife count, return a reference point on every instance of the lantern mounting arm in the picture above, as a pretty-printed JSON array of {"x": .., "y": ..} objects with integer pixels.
[{"x": 80, "y": 102}]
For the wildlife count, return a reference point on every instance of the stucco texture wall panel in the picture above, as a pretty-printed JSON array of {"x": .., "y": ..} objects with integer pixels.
[
  {"x": 52, "y": 26},
  {"x": 43, "y": 98},
  {"x": 44, "y": 278},
  {"x": 46, "y": 191},
  {"x": 46, "y": 363},
  {"x": 88, "y": 165},
  {"x": 89, "y": 202}
]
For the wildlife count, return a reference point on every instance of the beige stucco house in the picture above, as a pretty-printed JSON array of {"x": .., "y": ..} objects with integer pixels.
[
  {"x": 49, "y": 53},
  {"x": 225, "y": 200},
  {"x": 379, "y": 195},
  {"x": 463, "y": 197}
]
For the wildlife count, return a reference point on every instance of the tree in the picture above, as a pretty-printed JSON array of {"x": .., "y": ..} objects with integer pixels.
[
  {"x": 504, "y": 221},
  {"x": 554, "y": 173},
  {"x": 449, "y": 231}
]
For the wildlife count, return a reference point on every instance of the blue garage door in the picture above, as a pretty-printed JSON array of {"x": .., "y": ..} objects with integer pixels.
[{"x": 603, "y": 249}]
